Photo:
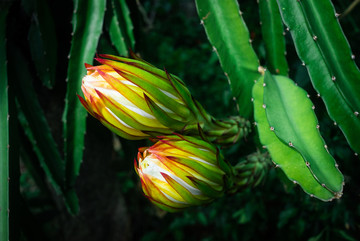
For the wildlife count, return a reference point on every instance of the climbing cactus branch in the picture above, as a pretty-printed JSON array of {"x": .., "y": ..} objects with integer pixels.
[
  {"x": 228, "y": 34},
  {"x": 121, "y": 28},
  {"x": 324, "y": 50},
  {"x": 273, "y": 35},
  {"x": 87, "y": 27},
  {"x": 288, "y": 128}
]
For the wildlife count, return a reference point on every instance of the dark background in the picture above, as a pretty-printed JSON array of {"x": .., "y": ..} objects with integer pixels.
[{"x": 168, "y": 34}]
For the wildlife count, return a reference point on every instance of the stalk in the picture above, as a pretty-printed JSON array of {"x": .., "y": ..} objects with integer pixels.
[{"x": 4, "y": 132}]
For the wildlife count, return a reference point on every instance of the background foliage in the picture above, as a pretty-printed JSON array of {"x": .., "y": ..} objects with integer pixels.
[{"x": 109, "y": 200}]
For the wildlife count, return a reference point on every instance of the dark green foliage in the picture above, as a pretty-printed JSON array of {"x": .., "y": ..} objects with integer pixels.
[
  {"x": 111, "y": 205},
  {"x": 34, "y": 123},
  {"x": 42, "y": 40}
]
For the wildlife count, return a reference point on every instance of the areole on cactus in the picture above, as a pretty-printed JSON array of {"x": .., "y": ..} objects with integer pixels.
[
  {"x": 180, "y": 171},
  {"x": 136, "y": 100}
]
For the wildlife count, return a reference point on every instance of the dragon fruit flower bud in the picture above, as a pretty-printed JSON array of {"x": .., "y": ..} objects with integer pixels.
[
  {"x": 180, "y": 171},
  {"x": 136, "y": 100}
]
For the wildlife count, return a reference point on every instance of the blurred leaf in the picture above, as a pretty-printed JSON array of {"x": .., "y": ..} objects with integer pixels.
[
  {"x": 344, "y": 235},
  {"x": 244, "y": 215},
  {"x": 39, "y": 151},
  {"x": 33, "y": 120},
  {"x": 317, "y": 237},
  {"x": 43, "y": 41},
  {"x": 36, "y": 128},
  {"x": 202, "y": 218},
  {"x": 33, "y": 168},
  {"x": 286, "y": 215}
]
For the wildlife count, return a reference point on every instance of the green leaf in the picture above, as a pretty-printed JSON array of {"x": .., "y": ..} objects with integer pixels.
[
  {"x": 322, "y": 46},
  {"x": 291, "y": 114},
  {"x": 87, "y": 26},
  {"x": 4, "y": 130},
  {"x": 229, "y": 36},
  {"x": 272, "y": 34},
  {"x": 121, "y": 28},
  {"x": 317, "y": 237},
  {"x": 285, "y": 157},
  {"x": 344, "y": 235},
  {"x": 43, "y": 42}
]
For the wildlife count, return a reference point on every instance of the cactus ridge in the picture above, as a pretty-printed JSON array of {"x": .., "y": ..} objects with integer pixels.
[
  {"x": 87, "y": 28},
  {"x": 223, "y": 20},
  {"x": 334, "y": 47},
  {"x": 120, "y": 27},
  {"x": 285, "y": 154},
  {"x": 334, "y": 75},
  {"x": 282, "y": 97}
]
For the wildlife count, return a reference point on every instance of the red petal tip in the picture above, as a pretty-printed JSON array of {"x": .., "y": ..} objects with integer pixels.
[{"x": 88, "y": 65}]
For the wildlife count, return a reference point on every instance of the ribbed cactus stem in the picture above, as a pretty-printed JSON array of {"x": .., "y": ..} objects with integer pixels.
[{"x": 250, "y": 172}]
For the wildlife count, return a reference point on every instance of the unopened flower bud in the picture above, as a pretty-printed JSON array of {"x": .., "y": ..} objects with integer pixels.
[
  {"x": 251, "y": 172},
  {"x": 136, "y": 101},
  {"x": 179, "y": 172}
]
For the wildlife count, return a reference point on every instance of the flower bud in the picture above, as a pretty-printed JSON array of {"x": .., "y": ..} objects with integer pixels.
[
  {"x": 136, "y": 101},
  {"x": 179, "y": 172},
  {"x": 251, "y": 172}
]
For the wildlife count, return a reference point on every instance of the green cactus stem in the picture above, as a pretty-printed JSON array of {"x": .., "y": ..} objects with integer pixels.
[
  {"x": 273, "y": 35},
  {"x": 228, "y": 34},
  {"x": 287, "y": 127},
  {"x": 87, "y": 26},
  {"x": 121, "y": 27},
  {"x": 324, "y": 50},
  {"x": 4, "y": 130}
]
